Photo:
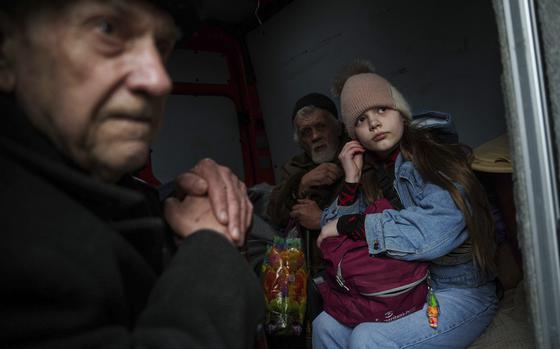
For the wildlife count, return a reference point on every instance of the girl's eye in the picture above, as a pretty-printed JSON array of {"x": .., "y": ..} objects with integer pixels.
[
  {"x": 381, "y": 110},
  {"x": 360, "y": 119}
]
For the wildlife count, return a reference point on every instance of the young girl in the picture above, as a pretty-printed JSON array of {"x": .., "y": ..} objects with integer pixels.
[{"x": 443, "y": 218}]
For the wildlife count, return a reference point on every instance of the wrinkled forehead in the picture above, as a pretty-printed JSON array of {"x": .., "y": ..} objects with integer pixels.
[{"x": 317, "y": 117}]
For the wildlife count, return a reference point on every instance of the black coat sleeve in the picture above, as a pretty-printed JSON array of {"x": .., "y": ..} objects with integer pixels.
[
  {"x": 69, "y": 279},
  {"x": 208, "y": 297}
]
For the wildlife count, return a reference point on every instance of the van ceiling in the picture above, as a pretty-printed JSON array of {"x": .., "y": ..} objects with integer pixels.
[{"x": 244, "y": 14}]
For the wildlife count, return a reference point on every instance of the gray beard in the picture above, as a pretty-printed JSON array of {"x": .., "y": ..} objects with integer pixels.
[{"x": 324, "y": 156}]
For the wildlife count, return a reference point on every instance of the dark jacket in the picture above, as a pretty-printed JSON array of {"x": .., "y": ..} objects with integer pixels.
[
  {"x": 284, "y": 194},
  {"x": 82, "y": 263}
]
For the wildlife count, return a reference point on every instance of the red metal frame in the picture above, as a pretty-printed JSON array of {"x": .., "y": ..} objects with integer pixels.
[
  {"x": 147, "y": 174},
  {"x": 256, "y": 153},
  {"x": 257, "y": 162}
]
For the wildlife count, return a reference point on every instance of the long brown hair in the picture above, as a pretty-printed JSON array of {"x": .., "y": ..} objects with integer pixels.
[{"x": 445, "y": 165}]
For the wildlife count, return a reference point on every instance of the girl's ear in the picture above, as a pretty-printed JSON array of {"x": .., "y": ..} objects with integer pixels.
[{"x": 7, "y": 75}]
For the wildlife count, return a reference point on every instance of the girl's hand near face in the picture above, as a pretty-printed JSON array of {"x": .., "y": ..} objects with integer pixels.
[{"x": 352, "y": 159}]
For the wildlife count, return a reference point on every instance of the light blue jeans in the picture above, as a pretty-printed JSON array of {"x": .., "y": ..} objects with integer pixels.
[{"x": 464, "y": 315}]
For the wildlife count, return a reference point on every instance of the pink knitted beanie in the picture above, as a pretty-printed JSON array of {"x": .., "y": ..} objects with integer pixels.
[{"x": 362, "y": 92}]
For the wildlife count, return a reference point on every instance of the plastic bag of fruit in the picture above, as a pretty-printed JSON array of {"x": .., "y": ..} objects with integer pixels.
[{"x": 284, "y": 277}]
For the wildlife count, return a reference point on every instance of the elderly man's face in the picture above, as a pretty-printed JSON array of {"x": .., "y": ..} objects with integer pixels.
[
  {"x": 91, "y": 77},
  {"x": 318, "y": 135}
]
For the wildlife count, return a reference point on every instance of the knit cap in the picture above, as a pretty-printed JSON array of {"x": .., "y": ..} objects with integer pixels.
[
  {"x": 362, "y": 92},
  {"x": 317, "y": 100}
]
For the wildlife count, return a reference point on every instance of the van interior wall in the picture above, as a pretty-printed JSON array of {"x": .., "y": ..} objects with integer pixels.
[
  {"x": 196, "y": 127},
  {"x": 441, "y": 55}
]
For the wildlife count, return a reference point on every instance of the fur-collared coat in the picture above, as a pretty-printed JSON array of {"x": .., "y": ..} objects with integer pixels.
[{"x": 284, "y": 194}]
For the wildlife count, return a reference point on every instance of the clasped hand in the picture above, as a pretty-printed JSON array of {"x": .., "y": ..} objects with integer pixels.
[
  {"x": 325, "y": 174},
  {"x": 210, "y": 196},
  {"x": 307, "y": 213}
]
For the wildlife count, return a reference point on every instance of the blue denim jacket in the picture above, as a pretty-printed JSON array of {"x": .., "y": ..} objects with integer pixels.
[{"x": 429, "y": 226}]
